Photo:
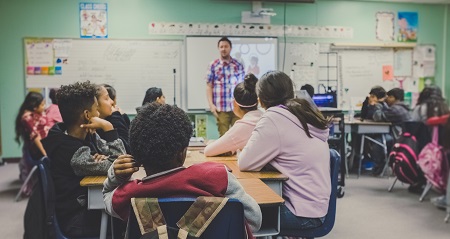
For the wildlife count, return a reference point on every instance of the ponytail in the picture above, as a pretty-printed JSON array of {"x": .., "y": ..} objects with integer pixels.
[{"x": 307, "y": 114}]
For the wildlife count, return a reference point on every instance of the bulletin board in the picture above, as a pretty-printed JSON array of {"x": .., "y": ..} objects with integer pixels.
[{"x": 130, "y": 66}]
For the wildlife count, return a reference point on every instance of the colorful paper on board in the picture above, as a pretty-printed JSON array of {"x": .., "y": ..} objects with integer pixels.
[
  {"x": 44, "y": 70},
  {"x": 30, "y": 70},
  {"x": 388, "y": 72},
  {"x": 51, "y": 70},
  {"x": 58, "y": 70}
]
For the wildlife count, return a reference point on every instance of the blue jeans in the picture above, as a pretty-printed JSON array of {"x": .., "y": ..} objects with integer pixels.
[{"x": 289, "y": 221}]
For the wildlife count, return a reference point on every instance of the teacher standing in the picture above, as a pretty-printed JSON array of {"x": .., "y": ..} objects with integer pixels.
[{"x": 222, "y": 77}]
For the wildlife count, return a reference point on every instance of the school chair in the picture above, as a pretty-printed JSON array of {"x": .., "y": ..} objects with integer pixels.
[
  {"x": 328, "y": 224},
  {"x": 228, "y": 224},
  {"x": 49, "y": 199},
  {"x": 28, "y": 183}
]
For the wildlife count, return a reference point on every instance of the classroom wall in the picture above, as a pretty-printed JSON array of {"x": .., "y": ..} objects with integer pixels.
[{"x": 129, "y": 19}]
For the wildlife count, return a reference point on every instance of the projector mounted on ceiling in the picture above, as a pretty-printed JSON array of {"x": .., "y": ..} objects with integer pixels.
[{"x": 258, "y": 15}]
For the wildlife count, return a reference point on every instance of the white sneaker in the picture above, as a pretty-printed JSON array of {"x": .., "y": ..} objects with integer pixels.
[{"x": 440, "y": 202}]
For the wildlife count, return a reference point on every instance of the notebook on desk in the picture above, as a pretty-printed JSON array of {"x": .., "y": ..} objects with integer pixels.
[{"x": 197, "y": 142}]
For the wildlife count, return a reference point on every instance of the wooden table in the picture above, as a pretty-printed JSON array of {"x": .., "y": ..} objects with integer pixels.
[{"x": 273, "y": 179}]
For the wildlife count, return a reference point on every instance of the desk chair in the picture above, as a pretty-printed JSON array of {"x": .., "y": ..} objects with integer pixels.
[
  {"x": 228, "y": 224},
  {"x": 49, "y": 199},
  {"x": 28, "y": 183},
  {"x": 326, "y": 227}
]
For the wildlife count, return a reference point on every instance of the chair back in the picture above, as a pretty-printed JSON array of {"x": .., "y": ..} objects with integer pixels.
[
  {"x": 228, "y": 224},
  {"x": 48, "y": 190},
  {"x": 328, "y": 224}
]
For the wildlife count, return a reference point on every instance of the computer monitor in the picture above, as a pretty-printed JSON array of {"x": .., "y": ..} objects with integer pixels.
[{"x": 325, "y": 100}]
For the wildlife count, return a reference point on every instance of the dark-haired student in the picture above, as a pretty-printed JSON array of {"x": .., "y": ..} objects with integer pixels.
[
  {"x": 376, "y": 94},
  {"x": 391, "y": 110},
  {"x": 76, "y": 151},
  {"x": 52, "y": 111},
  {"x": 108, "y": 110},
  {"x": 159, "y": 137},
  {"x": 291, "y": 137},
  {"x": 32, "y": 125},
  {"x": 245, "y": 106},
  {"x": 153, "y": 94}
]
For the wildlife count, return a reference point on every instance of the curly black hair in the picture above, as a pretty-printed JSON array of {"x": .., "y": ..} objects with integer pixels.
[
  {"x": 74, "y": 99},
  {"x": 158, "y": 133}
]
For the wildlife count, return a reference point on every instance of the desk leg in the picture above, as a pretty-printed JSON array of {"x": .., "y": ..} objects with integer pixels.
[
  {"x": 386, "y": 160},
  {"x": 361, "y": 154},
  {"x": 103, "y": 225}
]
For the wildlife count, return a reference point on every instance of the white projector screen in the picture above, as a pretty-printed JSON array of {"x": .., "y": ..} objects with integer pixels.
[{"x": 201, "y": 51}]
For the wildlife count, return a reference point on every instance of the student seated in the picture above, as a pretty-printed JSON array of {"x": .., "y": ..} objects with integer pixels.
[
  {"x": 308, "y": 88},
  {"x": 245, "y": 106},
  {"x": 291, "y": 137},
  {"x": 376, "y": 94},
  {"x": 430, "y": 103},
  {"x": 52, "y": 111},
  {"x": 76, "y": 151},
  {"x": 159, "y": 136},
  {"x": 108, "y": 110},
  {"x": 32, "y": 125},
  {"x": 393, "y": 109},
  {"x": 153, "y": 94}
]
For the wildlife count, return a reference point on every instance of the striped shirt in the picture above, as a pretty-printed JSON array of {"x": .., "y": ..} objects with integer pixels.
[{"x": 224, "y": 76}]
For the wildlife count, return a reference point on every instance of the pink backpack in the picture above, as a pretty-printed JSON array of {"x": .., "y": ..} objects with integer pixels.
[{"x": 434, "y": 164}]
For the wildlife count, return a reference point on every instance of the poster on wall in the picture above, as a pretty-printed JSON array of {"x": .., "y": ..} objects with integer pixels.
[
  {"x": 385, "y": 26},
  {"x": 93, "y": 20},
  {"x": 408, "y": 23}
]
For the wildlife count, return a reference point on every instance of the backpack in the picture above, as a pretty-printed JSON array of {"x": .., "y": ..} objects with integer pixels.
[
  {"x": 403, "y": 159},
  {"x": 191, "y": 225},
  {"x": 434, "y": 164}
]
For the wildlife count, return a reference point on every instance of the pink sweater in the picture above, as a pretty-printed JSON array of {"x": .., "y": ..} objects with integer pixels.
[
  {"x": 279, "y": 140},
  {"x": 236, "y": 137},
  {"x": 53, "y": 114}
]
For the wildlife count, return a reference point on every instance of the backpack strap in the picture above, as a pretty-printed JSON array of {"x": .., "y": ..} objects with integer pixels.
[
  {"x": 149, "y": 216},
  {"x": 194, "y": 222},
  {"x": 435, "y": 138},
  {"x": 198, "y": 217}
]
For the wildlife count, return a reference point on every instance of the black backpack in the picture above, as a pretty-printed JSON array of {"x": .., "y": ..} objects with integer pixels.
[{"x": 403, "y": 159}]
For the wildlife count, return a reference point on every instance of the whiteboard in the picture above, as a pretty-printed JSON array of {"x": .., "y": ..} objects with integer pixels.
[
  {"x": 360, "y": 70},
  {"x": 130, "y": 66},
  {"x": 201, "y": 51}
]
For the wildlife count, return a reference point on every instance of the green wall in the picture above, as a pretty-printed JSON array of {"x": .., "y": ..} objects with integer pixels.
[{"x": 129, "y": 19}]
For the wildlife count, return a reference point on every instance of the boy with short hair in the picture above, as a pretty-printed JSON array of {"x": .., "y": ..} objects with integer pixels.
[
  {"x": 159, "y": 136},
  {"x": 76, "y": 151}
]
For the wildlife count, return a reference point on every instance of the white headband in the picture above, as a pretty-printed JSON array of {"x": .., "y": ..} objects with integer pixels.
[{"x": 246, "y": 106}]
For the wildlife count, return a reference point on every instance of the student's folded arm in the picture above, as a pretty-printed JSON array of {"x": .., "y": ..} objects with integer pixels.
[
  {"x": 261, "y": 148},
  {"x": 111, "y": 144},
  {"x": 223, "y": 144},
  {"x": 378, "y": 114},
  {"x": 119, "y": 123},
  {"x": 109, "y": 187},
  {"x": 252, "y": 211},
  {"x": 83, "y": 163}
]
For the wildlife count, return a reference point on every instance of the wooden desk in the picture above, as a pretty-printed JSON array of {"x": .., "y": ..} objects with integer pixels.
[
  {"x": 268, "y": 200},
  {"x": 273, "y": 179}
]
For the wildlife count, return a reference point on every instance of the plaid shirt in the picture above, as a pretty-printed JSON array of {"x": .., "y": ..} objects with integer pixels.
[{"x": 224, "y": 76}]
